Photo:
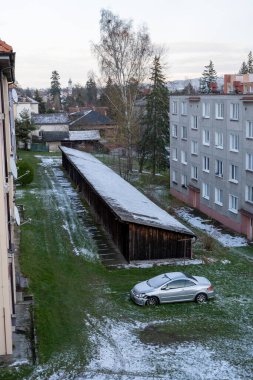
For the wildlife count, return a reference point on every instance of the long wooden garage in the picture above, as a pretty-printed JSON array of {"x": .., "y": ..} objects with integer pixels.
[{"x": 138, "y": 227}]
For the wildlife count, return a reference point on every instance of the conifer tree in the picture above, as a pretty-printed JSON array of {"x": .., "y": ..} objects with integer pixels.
[
  {"x": 55, "y": 90},
  {"x": 244, "y": 68},
  {"x": 38, "y": 98},
  {"x": 250, "y": 63},
  {"x": 156, "y": 135},
  {"x": 209, "y": 77},
  {"x": 23, "y": 127},
  {"x": 91, "y": 91}
]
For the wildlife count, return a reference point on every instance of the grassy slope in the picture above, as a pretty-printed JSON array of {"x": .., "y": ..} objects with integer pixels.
[{"x": 67, "y": 288}]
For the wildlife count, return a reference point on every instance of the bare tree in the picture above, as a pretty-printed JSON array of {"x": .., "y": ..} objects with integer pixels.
[{"x": 124, "y": 56}]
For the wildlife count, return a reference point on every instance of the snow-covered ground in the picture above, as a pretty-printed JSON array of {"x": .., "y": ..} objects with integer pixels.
[{"x": 227, "y": 240}]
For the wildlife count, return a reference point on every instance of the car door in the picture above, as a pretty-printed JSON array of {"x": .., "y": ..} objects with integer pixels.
[
  {"x": 172, "y": 291},
  {"x": 189, "y": 291}
]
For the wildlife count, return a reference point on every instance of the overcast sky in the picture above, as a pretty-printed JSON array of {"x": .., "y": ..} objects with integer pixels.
[{"x": 52, "y": 35}]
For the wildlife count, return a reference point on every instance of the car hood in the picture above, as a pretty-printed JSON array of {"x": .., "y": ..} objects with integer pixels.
[
  {"x": 143, "y": 287},
  {"x": 202, "y": 280}
]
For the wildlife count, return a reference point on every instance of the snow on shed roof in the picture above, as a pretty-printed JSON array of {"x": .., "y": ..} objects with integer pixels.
[
  {"x": 126, "y": 201},
  {"x": 84, "y": 135},
  {"x": 50, "y": 118}
]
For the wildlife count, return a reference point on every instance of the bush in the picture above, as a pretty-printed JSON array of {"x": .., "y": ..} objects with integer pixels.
[{"x": 25, "y": 173}]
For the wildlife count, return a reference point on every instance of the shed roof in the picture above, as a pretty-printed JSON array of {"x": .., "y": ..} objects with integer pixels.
[
  {"x": 50, "y": 118},
  {"x": 127, "y": 202},
  {"x": 51, "y": 136},
  {"x": 89, "y": 118},
  {"x": 84, "y": 135}
]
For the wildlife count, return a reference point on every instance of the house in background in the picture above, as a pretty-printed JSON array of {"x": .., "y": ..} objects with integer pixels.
[
  {"x": 8, "y": 210},
  {"x": 238, "y": 84},
  {"x": 25, "y": 103}
]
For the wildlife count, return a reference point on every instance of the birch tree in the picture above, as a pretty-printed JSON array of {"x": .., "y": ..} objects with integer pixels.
[{"x": 123, "y": 55}]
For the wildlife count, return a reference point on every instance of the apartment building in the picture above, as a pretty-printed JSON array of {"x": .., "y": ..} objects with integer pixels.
[
  {"x": 211, "y": 164},
  {"x": 8, "y": 212},
  {"x": 238, "y": 83}
]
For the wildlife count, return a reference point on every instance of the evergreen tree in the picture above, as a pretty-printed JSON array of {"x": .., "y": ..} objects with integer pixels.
[
  {"x": 156, "y": 135},
  {"x": 23, "y": 127},
  {"x": 250, "y": 63},
  {"x": 91, "y": 91},
  {"x": 38, "y": 98},
  {"x": 209, "y": 77},
  {"x": 244, "y": 68},
  {"x": 55, "y": 90}
]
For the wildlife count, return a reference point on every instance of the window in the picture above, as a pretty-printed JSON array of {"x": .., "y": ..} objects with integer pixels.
[
  {"x": 219, "y": 168},
  {"x": 194, "y": 172},
  {"x": 219, "y": 111},
  {"x": 184, "y": 132},
  {"x": 206, "y": 137},
  {"x": 249, "y": 161},
  {"x": 184, "y": 181},
  {"x": 233, "y": 203},
  {"x": 206, "y": 110},
  {"x": 234, "y": 111},
  {"x": 183, "y": 157},
  {"x": 174, "y": 176},
  {"x": 183, "y": 108},
  {"x": 174, "y": 107},
  {"x": 174, "y": 130},
  {"x": 194, "y": 147},
  {"x": 174, "y": 154},
  {"x": 233, "y": 173},
  {"x": 194, "y": 122},
  {"x": 206, "y": 164},
  {"x": 249, "y": 129},
  {"x": 218, "y": 196},
  {"x": 249, "y": 193},
  {"x": 234, "y": 143},
  {"x": 219, "y": 140},
  {"x": 205, "y": 190}
]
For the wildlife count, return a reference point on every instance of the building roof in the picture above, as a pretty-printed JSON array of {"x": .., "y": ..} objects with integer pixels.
[
  {"x": 50, "y": 118},
  {"x": 125, "y": 200},
  {"x": 5, "y": 48},
  {"x": 89, "y": 118},
  {"x": 54, "y": 136},
  {"x": 93, "y": 135},
  {"x": 26, "y": 99}
]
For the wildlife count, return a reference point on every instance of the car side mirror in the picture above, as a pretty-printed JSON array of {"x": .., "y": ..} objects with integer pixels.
[{"x": 164, "y": 288}]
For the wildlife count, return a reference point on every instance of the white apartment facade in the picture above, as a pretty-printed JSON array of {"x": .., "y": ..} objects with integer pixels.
[
  {"x": 211, "y": 164},
  {"x": 8, "y": 212}
]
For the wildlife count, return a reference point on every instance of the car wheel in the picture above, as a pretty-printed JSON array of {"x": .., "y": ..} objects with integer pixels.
[
  {"x": 152, "y": 301},
  {"x": 201, "y": 298}
]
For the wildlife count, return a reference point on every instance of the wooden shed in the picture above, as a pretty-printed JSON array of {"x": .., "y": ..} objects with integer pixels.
[{"x": 138, "y": 227}]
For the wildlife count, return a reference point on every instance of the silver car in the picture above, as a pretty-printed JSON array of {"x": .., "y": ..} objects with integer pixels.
[{"x": 172, "y": 287}]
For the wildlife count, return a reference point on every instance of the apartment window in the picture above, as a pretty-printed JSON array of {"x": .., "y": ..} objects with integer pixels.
[
  {"x": 218, "y": 196},
  {"x": 205, "y": 190},
  {"x": 249, "y": 193},
  {"x": 174, "y": 130},
  {"x": 194, "y": 122},
  {"x": 206, "y": 164},
  {"x": 183, "y": 157},
  {"x": 219, "y": 111},
  {"x": 174, "y": 154},
  {"x": 234, "y": 173},
  {"x": 183, "y": 108},
  {"x": 194, "y": 147},
  {"x": 219, "y": 140},
  {"x": 233, "y": 203},
  {"x": 206, "y": 137},
  {"x": 234, "y": 111},
  {"x": 184, "y": 132},
  {"x": 194, "y": 172},
  {"x": 234, "y": 143},
  {"x": 184, "y": 181},
  {"x": 206, "y": 110},
  {"x": 249, "y": 129},
  {"x": 249, "y": 161},
  {"x": 174, "y": 107},
  {"x": 219, "y": 168},
  {"x": 174, "y": 176}
]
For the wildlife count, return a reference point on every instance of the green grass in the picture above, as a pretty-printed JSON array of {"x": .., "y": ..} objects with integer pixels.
[{"x": 68, "y": 288}]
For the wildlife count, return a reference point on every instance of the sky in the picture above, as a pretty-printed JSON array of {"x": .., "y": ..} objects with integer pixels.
[{"x": 52, "y": 35}]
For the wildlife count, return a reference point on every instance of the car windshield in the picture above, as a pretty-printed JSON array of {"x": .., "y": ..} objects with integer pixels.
[{"x": 157, "y": 281}]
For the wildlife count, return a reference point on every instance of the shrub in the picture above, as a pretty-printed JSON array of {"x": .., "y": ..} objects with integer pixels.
[{"x": 25, "y": 173}]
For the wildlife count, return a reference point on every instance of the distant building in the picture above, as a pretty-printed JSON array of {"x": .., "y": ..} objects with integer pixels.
[
  {"x": 25, "y": 103},
  {"x": 8, "y": 211},
  {"x": 238, "y": 84},
  {"x": 211, "y": 156},
  {"x": 70, "y": 87}
]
